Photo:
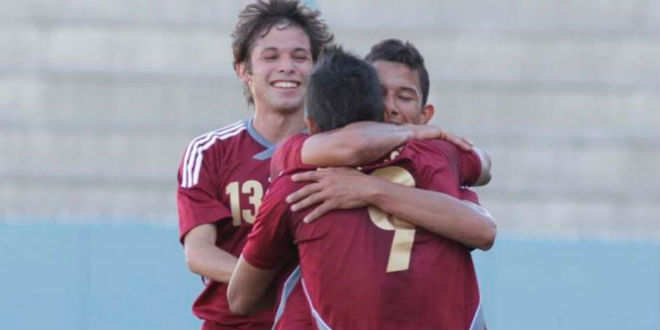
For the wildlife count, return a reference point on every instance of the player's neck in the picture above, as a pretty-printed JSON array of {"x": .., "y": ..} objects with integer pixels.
[{"x": 276, "y": 126}]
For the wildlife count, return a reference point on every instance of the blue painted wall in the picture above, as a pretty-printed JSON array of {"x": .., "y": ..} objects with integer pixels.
[{"x": 132, "y": 276}]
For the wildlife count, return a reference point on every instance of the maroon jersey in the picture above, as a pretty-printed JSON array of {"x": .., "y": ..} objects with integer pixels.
[
  {"x": 469, "y": 195},
  {"x": 222, "y": 178},
  {"x": 293, "y": 312},
  {"x": 364, "y": 269}
]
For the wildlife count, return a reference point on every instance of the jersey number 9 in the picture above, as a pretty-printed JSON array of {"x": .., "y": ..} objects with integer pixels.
[{"x": 404, "y": 232}]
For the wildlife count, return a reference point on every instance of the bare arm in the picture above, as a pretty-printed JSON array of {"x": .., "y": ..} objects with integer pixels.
[
  {"x": 486, "y": 163},
  {"x": 203, "y": 257},
  {"x": 441, "y": 214},
  {"x": 248, "y": 288},
  {"x": 364, "y": 142}
]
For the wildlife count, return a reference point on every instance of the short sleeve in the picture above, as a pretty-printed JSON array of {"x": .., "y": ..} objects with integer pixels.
[
  {"x": 435, "y": 164},
  {"x": 198, "y": 202},
  {"x": 288, "y": 156},
  {"x": 469, "y": 166},
  {"x": 469, "y": 195},
  {"x": 270, "y": 243}
]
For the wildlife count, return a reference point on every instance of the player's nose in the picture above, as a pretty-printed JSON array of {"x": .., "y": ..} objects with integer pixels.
[
  {"x": 391, "y": 111},
  {"x": 286, "y": 65}
]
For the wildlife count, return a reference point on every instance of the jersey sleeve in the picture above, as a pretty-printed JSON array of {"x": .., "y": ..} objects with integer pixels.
[
  {"x": 197, "y": 197},
  {"x": 469, "y": 195},
  {"x": 469, "y": 167},
  {"x": 436, "y": 165},
  {"x": 288, "y": 156},
  {"x": 270, "y": 243}
]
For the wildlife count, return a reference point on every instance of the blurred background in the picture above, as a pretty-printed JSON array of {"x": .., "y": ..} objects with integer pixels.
[{"x": 98, "y": 100}]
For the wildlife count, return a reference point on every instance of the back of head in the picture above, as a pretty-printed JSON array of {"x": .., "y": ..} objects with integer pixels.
[
  {"x": 395, "y": 50},
  {"x": 343, "y": 89}
]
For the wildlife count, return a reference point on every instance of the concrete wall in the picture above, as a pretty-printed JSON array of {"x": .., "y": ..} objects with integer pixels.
[{"x": 98, "y": 100}]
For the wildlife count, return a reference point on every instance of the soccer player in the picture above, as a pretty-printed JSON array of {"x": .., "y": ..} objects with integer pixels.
[
  {"x": 359, "y": 267},
  {"x": 224, "y": 174}
]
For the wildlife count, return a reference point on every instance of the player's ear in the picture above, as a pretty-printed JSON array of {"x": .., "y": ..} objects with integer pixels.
[
  {"x": 242, "y": 72},
  {"x": 427, "y": 113}
]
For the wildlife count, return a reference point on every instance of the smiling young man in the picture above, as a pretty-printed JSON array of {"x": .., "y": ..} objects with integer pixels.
[
  {"x": 224, "y": 174},
  {"x": 363, "y": 268}
]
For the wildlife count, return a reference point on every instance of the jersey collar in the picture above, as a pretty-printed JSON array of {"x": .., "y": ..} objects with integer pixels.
[{"x": 270, "y": 147}]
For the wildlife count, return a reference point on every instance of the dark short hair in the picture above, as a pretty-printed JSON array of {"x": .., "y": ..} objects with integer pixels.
[
  {"x": 395, "y": 50},
  {"x": 343, "y": 89}
]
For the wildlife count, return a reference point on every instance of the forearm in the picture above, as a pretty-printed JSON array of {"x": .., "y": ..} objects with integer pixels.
[
  {"x": 436, "y": 212},
  {"x": 210, "y": 262},
  {"x": 355, "y": 144},
  {"x": 247, "y": 291}
]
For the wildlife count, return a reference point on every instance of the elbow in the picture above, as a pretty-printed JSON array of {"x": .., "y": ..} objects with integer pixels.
[
  {"x": 236, "y": 307},
  {"x": 237, "y": 304},
  {"x": 485, "y": 179},
  {"x": 191, "y": 260},
  {"x": 487, "y": 239},
  {"x": 486, "y": 165},
  {"x": 357, "y": 152}
]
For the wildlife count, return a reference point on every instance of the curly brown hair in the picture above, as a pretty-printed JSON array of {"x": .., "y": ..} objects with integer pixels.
[{"x": 256, "y": 20}]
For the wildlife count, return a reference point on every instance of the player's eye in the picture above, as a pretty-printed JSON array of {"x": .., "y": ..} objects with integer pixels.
[
  {"x": 269, "y": 56},
  {"x": 300, "y": 56}
]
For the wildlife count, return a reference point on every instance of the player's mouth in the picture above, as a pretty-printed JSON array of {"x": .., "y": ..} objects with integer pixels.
[{"x": 285, "y": 84}]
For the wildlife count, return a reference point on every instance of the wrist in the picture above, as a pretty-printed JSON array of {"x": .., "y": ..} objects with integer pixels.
[
  {"x": 409, "y": 131},
  {"x": 376, "y": 192}
]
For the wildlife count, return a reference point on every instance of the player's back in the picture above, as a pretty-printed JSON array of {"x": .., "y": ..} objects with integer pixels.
[{"x": 363, "y": 269}]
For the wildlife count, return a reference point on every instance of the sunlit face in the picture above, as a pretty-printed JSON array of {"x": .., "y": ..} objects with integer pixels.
[
  {"x": 402, "y": 91},
  {"x": 280, "y": 64}
]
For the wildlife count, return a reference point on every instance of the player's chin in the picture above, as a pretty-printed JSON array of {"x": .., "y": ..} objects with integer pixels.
[
  {"x": 288, "y": 105},
  {"x": 395, "y": 121}
]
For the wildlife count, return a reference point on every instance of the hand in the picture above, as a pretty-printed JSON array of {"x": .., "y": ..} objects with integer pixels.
[
  {"x": 332, "y": 188},
  {"x": 432, "y": 132}
]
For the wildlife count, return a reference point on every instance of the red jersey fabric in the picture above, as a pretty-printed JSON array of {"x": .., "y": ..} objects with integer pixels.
[
  {"x": 469, "y": 195},
  {"x": 362, "y": 269}
]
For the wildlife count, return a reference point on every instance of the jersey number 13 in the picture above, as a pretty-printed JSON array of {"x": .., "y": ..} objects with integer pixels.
[{"x": 255, "y": 192}]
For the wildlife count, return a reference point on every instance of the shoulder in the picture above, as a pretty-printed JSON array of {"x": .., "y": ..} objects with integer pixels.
[
  {"x": 273, "y": 203},
  {"x": 432, "y": 145},
  {"x": 292, "y": 142},
  {"x": 216, "y": 138},
  {"x": 430, "y": 150},
  {"x": 283, "y": 185},
  {"x": 287, "y": 155},
  {"x": 196, "y": 151}
]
